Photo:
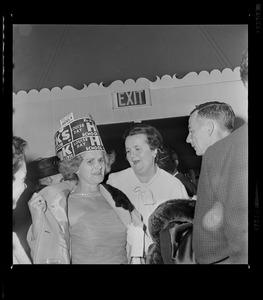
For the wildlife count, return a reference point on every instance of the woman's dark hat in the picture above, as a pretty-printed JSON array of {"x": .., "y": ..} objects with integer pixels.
[{"x": 44, "y": 167}]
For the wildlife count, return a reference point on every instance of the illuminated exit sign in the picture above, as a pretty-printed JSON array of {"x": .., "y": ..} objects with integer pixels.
[{"x": 130, "y": 98}]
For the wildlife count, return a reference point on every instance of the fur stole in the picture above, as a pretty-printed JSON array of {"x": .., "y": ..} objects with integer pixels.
[
  {"x": 121, "y": 200},
  {"x": 170, "y": 227}
]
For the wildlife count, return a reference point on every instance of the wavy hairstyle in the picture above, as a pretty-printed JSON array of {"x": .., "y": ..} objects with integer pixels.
[
  {"x": 153, "y": 137},
  {"x": 69, "y": 167}
]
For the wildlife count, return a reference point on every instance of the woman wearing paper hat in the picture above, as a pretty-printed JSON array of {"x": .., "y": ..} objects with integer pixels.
[{"x": 98, "y": 215}]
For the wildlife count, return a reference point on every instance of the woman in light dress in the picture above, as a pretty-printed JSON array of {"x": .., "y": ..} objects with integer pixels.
[{"x": 144, "y": 182}]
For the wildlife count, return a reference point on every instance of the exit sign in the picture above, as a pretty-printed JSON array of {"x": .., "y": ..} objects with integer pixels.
[{"x": 130, "y": 98}]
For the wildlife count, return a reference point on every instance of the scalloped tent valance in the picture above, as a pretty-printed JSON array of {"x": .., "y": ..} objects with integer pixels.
[
  {"x": 37, "y": 114},
  {"x": 165, "y": 81}
]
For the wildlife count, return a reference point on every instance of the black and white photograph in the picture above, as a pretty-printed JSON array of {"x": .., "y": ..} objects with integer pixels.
[{"x": 131, "y": 146}]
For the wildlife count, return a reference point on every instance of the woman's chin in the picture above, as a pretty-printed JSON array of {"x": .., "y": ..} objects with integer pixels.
[{"x": 99, "y": 179}]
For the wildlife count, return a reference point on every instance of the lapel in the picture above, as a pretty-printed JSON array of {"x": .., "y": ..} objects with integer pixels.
[{"x": 123, "y": 214}]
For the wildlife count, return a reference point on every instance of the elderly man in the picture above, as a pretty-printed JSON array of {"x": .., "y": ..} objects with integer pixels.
[
  {"x": 220, "y": 232},
  {"x": 208, "y": 123}
]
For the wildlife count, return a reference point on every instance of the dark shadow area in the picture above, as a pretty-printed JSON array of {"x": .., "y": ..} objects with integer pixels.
[{"x": 238, "y": 122}]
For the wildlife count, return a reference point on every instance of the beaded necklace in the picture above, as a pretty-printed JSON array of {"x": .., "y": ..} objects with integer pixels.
[{"x": 89, "y": 195}]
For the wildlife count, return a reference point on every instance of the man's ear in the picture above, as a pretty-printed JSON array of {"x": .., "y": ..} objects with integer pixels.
[
  {"x": 210, "y": 127},
  {"x": 176, "y": 162}
]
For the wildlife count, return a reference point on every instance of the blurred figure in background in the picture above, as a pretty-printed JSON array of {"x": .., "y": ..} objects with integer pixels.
[
  {"x": 40, "y": 173},
  {"x": 193, "y": 175},
  {"x": 19, "y": 175},
  {"x": 47, "y": 172},
  {"x": 171, "y": 163}
]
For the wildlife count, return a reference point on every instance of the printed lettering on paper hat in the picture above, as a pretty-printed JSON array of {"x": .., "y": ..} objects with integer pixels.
[{"x": 77, "y": 136}]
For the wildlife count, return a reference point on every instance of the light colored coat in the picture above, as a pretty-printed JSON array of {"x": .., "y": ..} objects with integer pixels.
[{"x": 53, "y": 240}]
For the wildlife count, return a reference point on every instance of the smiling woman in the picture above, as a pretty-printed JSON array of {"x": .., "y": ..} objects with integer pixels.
[
  {"x": 90, "y": 168},
  {"x": 145, "y": 183},
  {"x": 97, "y": 216}
]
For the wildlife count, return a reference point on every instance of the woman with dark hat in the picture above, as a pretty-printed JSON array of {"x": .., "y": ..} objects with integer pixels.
[{"x": 45, "y": 172}]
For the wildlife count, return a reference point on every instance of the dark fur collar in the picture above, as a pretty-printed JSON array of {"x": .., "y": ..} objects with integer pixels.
[{"x": 121, "y": 200}]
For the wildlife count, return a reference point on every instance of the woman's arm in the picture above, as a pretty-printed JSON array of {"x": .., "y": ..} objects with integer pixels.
[{"x": 36, "y": 205}]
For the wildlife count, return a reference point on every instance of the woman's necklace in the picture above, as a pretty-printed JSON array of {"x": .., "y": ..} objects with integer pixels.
[{"x": 88, "y": 195}]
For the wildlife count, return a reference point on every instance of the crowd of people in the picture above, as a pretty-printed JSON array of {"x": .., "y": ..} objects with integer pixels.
[{"x": 149, "y": 213}]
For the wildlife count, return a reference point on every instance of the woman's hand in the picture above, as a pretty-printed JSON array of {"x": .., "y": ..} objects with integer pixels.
[
  {"x": 37, "y": 204},
  {"x": 135, "y": 237}
]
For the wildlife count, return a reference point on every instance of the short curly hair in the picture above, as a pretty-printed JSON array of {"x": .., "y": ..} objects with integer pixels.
[
  {"x": 69, "y": 167},
  {"x": 153, "y": 136},
  {"x": 19, "y": 146}
]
